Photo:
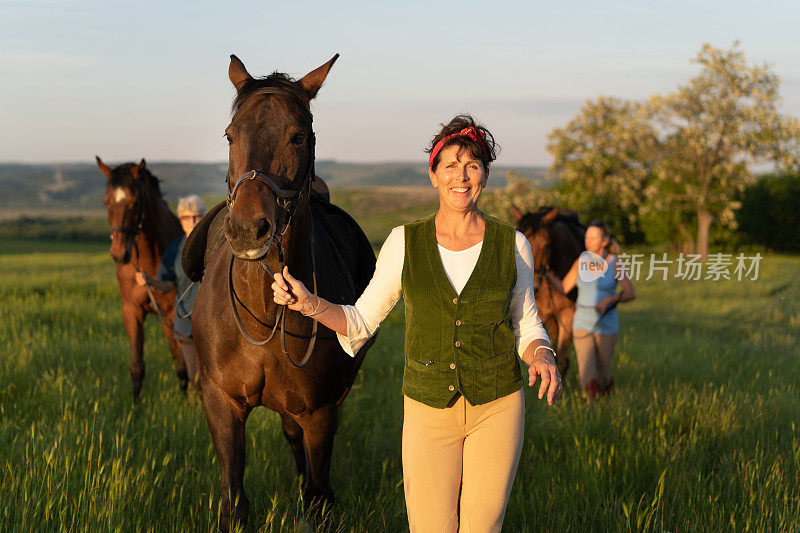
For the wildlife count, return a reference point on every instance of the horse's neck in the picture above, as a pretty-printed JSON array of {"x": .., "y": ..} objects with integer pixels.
[
  {"x": 564, "y": 249},
  {"x": 159, "y": 227}
]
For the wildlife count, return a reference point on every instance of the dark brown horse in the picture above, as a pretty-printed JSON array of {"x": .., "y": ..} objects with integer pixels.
[
  {"x": 292, "y": 368},
  {"x": 141, "y": 228},
  {"x": 556, "y": 238}
]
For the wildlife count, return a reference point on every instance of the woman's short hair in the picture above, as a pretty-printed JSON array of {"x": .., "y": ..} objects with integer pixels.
[
  {"x": 191, "y": 204},
  {"x": 474, "y": 148},
  {"x": 604, "y": 229},
  {"x": 613, "y": 245}
]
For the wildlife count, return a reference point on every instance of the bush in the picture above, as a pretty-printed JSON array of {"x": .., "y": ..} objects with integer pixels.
[
  {"x": 770, "y": 213},
  {"x": 66, "y": 228}
]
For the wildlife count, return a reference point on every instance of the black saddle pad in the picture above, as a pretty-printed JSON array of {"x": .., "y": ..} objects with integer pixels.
[{"x": 344, "y": 260}]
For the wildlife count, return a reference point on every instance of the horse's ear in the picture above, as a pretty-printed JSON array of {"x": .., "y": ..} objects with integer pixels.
[
  {"x": 312, "y": 81},
  {"x": 516, "y": 213},
  {"x": 103, "y": 167},
  {"x": 136, "y": 170},
  {"x": 238, "y": 74},
  {"x": 550, "y": 216}
]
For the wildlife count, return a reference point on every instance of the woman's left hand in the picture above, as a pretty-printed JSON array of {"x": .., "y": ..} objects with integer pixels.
[{"x": 545, "y": 366}]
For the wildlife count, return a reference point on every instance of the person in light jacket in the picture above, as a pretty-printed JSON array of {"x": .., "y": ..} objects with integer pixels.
[{"x": 466, "y": 280}]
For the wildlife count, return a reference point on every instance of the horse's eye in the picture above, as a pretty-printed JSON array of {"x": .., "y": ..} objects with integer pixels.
[
  {"x": 298, "y": 138},
  {"x": 228, "y": 138}
]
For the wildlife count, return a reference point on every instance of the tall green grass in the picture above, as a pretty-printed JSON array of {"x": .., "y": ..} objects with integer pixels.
[{"x": 700, "y": 434}]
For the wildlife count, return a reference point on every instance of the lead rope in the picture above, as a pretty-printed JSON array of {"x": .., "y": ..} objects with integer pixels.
[
  {"x": 238, "y": 319},
  {"x": 149, "y": 291},
  {"x": 313, "y": 341},
  {"x": 180, "y": 299}
]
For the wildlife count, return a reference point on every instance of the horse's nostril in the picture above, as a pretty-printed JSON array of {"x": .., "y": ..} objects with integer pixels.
[{"x": 262, "y": 228}]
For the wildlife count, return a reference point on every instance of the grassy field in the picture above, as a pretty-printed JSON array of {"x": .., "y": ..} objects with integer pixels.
[{"x": 701, "y": 434}]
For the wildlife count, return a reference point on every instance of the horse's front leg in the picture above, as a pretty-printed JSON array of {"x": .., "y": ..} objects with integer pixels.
[
  {"x": 177, "y": 356},
  {"x": 227, "y": 425},
  {"x": 565, "y": 316},
  {"x": 550, "y": 324},
  {"x": 319, "y": 428},
  {"x": 133, "y": 318},
  {"x": 294, "y": 434}
]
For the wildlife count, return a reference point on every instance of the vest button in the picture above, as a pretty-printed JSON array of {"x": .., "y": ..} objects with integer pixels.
[
  {"x": 458, "y": 344},
  {"x": 455, "y": 300},
  {"x": 451, "y": 387},
  {"x": 452, "y": 365},
  {"x": 458, "y": 322}
]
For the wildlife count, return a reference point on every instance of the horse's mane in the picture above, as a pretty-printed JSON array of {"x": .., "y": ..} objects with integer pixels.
[
  {"x": 121, "y": 176},
  {"x": 278, "y": 80},
  {"x": 533, "y": 221}
]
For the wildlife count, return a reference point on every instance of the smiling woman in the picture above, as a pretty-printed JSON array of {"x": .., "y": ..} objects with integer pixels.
[{"x": 466, "y": 280}]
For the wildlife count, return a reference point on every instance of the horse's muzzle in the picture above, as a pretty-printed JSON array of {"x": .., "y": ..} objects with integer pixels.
[
  {"x": 124, "y": 259},
  {"x": 249, "y": 239}
]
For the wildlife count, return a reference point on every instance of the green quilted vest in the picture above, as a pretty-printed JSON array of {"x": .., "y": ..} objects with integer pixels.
[{"x": 459, "y": 343}]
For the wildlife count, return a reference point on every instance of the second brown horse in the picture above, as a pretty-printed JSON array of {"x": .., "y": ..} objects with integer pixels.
[
  {"x": 141, "y": 228},
  {"x": 556, "y": 239}
]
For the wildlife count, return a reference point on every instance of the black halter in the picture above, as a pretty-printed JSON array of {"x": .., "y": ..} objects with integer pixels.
[{"x": 287, "y": 199}]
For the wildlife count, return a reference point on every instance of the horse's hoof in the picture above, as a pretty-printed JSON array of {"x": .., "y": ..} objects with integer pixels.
[
  {"x": 232, "y": 518},
  {"x": 302, "y": 526},
  {"x": 316, "y": 500}
]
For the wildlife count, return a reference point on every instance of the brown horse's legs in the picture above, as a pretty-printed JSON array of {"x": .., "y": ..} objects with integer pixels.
[
  {"x": 227, "y": 431},
  {"x": 133, "y": 318},
  {"x": 294, "y": 434},
  {"x": 560, "y": 340},
  {"x": 177, "y": 356},
  {"x": 319, "y": 428},
  {"x": 564, "y": 339}
]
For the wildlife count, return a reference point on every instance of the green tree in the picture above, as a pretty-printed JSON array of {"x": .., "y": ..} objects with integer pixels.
[
  {"x": 711, "y": 131},
  {"x": 603, "y": 159}
]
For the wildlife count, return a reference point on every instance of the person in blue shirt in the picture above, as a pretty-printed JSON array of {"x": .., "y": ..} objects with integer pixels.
[
  {"x": 170, "y": 276},
  {"x": 595, "y": 326}
]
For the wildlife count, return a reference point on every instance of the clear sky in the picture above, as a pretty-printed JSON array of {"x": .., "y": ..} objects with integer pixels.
[{"x": 149, "y": 78}]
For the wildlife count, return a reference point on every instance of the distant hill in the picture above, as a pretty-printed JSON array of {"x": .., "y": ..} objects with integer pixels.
[{"x": 81, "y": 185}]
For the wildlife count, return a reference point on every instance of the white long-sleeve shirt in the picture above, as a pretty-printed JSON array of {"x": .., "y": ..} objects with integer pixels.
[{"x": 385, "y": 289}]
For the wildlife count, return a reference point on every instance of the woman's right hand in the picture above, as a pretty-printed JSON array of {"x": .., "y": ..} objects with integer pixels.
[
  {"x": 291, "y": 292},
  {"x": 141, "y": 278}
]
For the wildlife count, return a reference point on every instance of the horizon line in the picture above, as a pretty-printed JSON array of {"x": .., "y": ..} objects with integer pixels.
[{"x": 197, "y": 162}]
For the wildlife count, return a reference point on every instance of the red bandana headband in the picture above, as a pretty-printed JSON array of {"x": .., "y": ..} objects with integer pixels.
[{"x": 471, "y": 132}]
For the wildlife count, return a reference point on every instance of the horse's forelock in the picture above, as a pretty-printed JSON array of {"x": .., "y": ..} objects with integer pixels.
[
  {"x": 529, "y": 222},
  {"x": 278, "y": 80},
  {"x": 121, "y": 176}
]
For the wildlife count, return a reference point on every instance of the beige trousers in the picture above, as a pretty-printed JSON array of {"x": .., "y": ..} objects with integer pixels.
[
  {"x": 594, "y": 353},
  {"x": 189, "y": 357},
  {"x": 468, "y": 449}
]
